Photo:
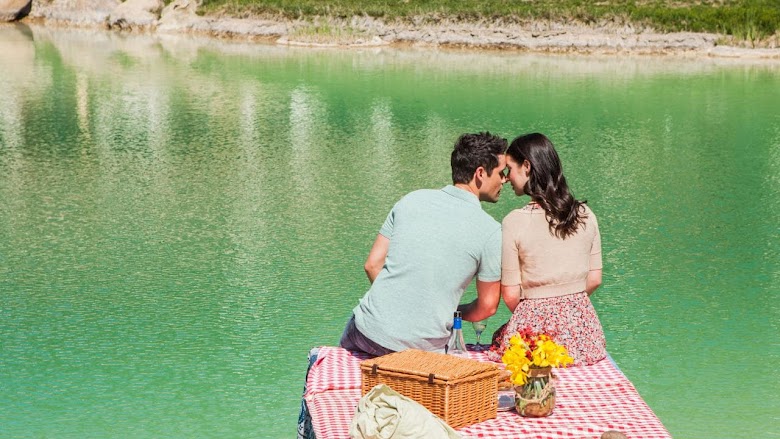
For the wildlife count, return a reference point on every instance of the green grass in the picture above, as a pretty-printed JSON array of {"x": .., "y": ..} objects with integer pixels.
[
  {"x": 743, "y": 19},
  {"x": 320, "y": 31}
]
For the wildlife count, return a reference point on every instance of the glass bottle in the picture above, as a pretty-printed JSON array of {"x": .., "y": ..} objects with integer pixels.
[{"x": 457, "y": 346}]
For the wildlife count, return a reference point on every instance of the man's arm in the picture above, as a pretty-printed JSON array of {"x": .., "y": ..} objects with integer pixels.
[
  {"x": 486, "y": 303},
  {"x": 376, "y": 257}
]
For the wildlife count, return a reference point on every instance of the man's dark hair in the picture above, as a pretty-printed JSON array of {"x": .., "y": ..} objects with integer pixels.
[{"x": 475, "y": 150}]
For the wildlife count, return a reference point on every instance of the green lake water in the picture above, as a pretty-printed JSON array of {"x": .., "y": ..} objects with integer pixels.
[{"x": 182, "y": 220}]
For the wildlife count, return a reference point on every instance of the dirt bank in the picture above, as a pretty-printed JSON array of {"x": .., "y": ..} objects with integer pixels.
[{"x": 181, "y": 16}]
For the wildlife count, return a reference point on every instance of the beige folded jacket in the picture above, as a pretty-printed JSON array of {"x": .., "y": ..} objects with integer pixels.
[{"x": 384, "y": 413}]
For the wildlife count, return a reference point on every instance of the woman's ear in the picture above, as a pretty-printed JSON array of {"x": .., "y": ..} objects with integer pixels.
[{"x": 526, "y": 167}]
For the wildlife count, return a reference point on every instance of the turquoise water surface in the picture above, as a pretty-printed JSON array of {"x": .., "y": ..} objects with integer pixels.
[{"x": 181, "y": 220}]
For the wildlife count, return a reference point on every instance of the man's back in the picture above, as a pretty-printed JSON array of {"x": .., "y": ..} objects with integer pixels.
[{"x": 439, "y": 240}]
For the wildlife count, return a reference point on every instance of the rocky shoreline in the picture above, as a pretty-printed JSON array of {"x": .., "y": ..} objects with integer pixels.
[{"x": 181, "y": 17}]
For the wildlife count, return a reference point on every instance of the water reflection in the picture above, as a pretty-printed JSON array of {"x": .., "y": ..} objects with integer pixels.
[
  {"x": 381, "y": 139},
  {"x": 307, "y": 113}
]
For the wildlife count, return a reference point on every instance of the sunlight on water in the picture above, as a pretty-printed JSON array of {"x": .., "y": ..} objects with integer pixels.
[{"x": 182, "y": 220}]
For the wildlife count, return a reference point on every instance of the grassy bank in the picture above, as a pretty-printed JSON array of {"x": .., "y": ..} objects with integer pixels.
[{"x": 750, "y": 20}]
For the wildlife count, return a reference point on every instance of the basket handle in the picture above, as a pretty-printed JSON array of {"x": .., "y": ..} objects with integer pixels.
[{"x": 431, "y": 376}]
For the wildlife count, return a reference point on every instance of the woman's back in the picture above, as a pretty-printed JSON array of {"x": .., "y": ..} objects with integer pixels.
[
  {"x": 551, "y": 256},
  {"x": 543, "y": 264}
]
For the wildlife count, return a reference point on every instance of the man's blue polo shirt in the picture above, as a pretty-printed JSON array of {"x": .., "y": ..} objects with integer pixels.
[{"x": 439, "y": 241}]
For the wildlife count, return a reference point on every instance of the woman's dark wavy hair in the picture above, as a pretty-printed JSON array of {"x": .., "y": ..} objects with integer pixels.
[
  {"x": 546, "y": 184},
  {"x": 474, "y": 150}
]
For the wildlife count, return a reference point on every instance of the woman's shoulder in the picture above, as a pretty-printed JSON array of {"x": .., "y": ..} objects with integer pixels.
[
  {"x": 530, "y": 208},
  {"x": 588, "y": 210},
  {"x": 524, "y": 218},
  {"x": 588, "y": 214},
  {"x": 520, "y": 212}
]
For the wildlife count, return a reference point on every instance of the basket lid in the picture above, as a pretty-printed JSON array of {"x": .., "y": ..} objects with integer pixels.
[{"x": 423, "y": 364}]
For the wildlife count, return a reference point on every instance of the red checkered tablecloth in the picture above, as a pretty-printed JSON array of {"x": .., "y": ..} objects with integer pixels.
[{"x": 589, "y": 400}]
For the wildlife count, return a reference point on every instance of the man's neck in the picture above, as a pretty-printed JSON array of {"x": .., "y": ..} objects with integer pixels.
[{"x": 468, "y": 187}]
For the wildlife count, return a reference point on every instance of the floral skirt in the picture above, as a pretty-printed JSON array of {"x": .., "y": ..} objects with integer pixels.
[{"x": 569, "y": 320}]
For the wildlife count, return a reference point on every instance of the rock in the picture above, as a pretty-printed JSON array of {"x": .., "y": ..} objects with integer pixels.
[
  {"x": 12, "y": 10},
  {"x": 180, "y": 15},
  {"x": 75, "y": 12},
  {"x": 181, "y": 8},
  {"x": 248, "y": 28},
  {"x": 17, "y": 54},
  {"x": 613, "y": 434},
  {"x": 136, "y": 14}
]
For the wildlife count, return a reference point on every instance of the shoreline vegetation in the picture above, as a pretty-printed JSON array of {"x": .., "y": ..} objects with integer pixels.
[{"x": 715, "y": 28}]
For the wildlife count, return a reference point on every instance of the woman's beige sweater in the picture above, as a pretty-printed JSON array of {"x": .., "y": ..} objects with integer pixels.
[{"x": 542, "y": 264}]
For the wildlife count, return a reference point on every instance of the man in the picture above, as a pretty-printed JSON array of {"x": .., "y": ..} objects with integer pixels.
[{"x": 431, "y": 246}]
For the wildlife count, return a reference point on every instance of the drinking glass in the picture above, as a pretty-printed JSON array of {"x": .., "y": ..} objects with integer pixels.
[{"x": 479, "y": 327}]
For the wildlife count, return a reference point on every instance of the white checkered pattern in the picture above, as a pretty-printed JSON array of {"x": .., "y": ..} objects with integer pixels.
[{"x": 589, "y": 400}]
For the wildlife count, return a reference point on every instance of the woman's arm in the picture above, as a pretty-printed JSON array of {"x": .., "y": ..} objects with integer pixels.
[
  {"x": 512, "y": 295},
  {"x": 510, "y": 262},
  {"x": 593, "y": 281}
]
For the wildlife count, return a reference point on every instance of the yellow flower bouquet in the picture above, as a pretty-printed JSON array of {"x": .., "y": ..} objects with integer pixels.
[
  {"x": 528, "y": 351},
  {"x": 530, "y": 358}
]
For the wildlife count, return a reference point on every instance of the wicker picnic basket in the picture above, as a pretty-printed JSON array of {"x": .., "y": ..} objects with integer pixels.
[{"x": 458, "y": 390}]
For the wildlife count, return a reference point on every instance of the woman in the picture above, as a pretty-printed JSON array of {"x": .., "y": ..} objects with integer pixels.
[{"x": 551, "y": 257}]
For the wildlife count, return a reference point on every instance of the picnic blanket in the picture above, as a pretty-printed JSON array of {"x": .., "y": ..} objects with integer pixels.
[{"x": 589, "y": 401}]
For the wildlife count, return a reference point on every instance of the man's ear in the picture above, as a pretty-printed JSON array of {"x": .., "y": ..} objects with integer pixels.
[{"x": 479, "y": 175}]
